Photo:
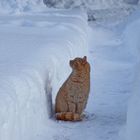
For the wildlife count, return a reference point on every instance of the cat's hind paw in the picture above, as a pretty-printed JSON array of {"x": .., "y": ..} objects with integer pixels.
[{"x": 68, "y": 116}]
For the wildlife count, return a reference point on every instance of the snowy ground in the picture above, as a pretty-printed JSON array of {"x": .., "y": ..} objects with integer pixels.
[
  {"x": 35, "y": 53},
  {"x": 110, "y": 88},
  {"x": 35, "y": 50},
  {"x": 111, "y": 80}
]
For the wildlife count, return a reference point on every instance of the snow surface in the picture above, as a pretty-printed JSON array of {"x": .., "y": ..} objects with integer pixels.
[
  {"x": 89, "y": 4},
  {"x": 35, "y": 51},
  {"x": 96, "y": 9},
  {"x": 18, "y": 6},
  {"x": 131, "y": 40},
  {"x": 26, "y": 5}
]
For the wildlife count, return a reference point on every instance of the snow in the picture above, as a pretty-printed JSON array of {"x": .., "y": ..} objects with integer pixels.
[
  {"x": 131, "y": 40},
  {"x": 18, "y": 6},
  {"x": 96, "y": 9},
  {"x": 111, "y": 79},
  {"x": 91, "y": 4},
  {"x": 132, "y": 1},
  {"x": 36, "y": 45},
  {"x": 35, "y": 53}
]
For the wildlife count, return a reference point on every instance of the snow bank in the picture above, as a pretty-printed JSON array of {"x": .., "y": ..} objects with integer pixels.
[
  {"x": 18, "y": 6},
  {"x": 96, "y": 9},
  {"x": 132, "y": 42},
  {"x": 10, "y": 6},
  {"x": 132, "y": 1},
  {"x": 89, "y": 4},
  {"x": 35, "y": 53}
]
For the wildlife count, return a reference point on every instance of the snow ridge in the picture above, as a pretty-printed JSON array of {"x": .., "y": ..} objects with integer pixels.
[
  {"x": 34, "y": 63},
  {"x": 17, "y": 6}
]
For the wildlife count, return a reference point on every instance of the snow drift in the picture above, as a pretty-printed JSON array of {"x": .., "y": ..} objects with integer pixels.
[
  {"x": 96, "y": 9},
  {"x": 35, "y": 53},
  {"x": 88, "y": 4},
  {"x": 17, "y": 6},
  {"x": 132, "y": 42},
  {"x": 12, "y": 6}
]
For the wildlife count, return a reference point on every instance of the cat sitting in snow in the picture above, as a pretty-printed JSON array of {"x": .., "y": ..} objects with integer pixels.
[{"x": 72, "y": 97}]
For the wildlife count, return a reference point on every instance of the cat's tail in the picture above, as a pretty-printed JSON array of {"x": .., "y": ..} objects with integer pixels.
[{"x": 68, "y": 116}]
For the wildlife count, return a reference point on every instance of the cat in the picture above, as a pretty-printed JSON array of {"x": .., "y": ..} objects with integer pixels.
[{"x": 72, "y": 97}]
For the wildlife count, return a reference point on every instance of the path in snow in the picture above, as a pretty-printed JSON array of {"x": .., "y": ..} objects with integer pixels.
[
  {"x": 112, "y": 75},
  {"x": 111, "y": 78}
]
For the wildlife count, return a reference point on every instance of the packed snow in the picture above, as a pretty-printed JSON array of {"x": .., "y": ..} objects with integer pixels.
[
  {"x": 18, "y": 6},
  {"x": 91, "y": 4},
  {"x": 35, "y": 53},
  {"x": 131, "y": 41},
  {"x": 36, "y": 45}
]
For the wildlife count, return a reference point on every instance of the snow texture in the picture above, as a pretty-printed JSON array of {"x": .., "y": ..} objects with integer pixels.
[
  {"x": 131, "y": 40},
  {"x": 94, "y": 8},
  {"x": 20, "y": 6},
  {"x": 89, "y": 4},
  {"x": 132, "y": 1},
  {"x": 35, "y": 53},
  {"x": 17, "y": 6}
]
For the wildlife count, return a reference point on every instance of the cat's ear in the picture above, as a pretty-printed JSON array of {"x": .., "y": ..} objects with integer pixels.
[
  {"x": 71, "y": 63},
  {"x": 85, "y": 58}
]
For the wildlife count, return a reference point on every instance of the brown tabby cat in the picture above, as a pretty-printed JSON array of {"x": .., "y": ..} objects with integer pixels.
[{"x": 72, "y": 97}]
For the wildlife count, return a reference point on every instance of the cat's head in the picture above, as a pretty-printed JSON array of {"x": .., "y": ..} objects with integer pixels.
[{"x": 79, "y": 63}]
